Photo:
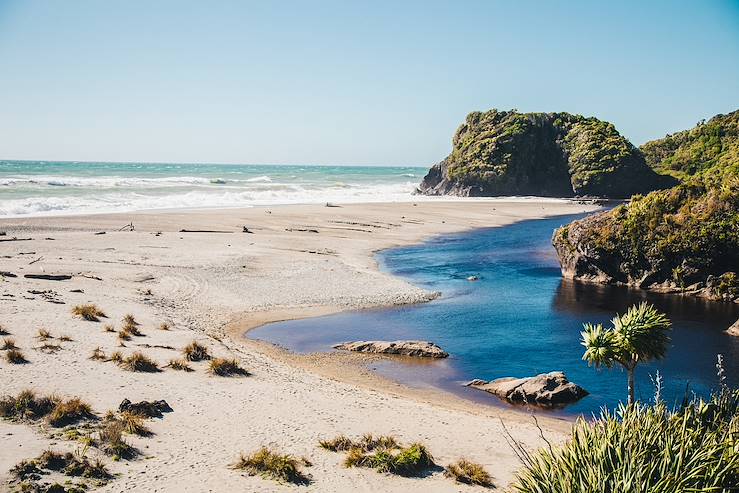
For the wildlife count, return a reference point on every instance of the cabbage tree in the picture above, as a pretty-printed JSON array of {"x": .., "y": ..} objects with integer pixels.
[{"x": 641, "y": 334}]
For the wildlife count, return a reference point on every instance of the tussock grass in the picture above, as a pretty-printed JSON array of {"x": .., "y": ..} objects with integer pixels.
[
  {"x": 129, "y": 320},
  {"x": 8, "y": 343},
  {"x": 48, "y": 348},
  {"x": 139, "y": 362},
  {"x": 195, "y": 352},
  {"x": 27, "y": 406},
  {"x": 468, "y": 472},
  {"x": 644, "y": 448},
  {"x": 65, "y": 338},
  {"x": 366, "y": 443},
  {"x": 226, "y": 368},
  {"x": 116, "y": 357},
  {"x": 124, "y": 335},
  {"x": 272, "y": 465},
  {"x": 382, "y": 453},
  {"x": 98, "y": 354},
  {"x": 70, "y": 411},
  {"x": 338, "y": 444},
  {"x": 72, "y": 465},
  {"x": 88, "y": 312},
  {"x": 132, "y": 330},
  {"x": 108, "y": 328},
  {"x": 179, "y": 365},
  {"x": 3, "y": 331},
  {"x": 164, "y": 326},
  {"x": 16, "y": 357},
  {"x": 43, "y": 335},
  {"x": 111, "y": 441},
  {"x": 131, "y": 423}
]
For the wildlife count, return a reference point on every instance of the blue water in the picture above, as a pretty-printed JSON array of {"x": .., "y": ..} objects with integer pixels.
[
  {"x": 42, "y": 188},
  {"x": 521, "y": 318}
]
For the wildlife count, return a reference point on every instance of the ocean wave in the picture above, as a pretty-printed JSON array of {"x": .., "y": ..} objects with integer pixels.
[
  {"x": 264, "y": 179},
  {"x": 104, "y": 181},
  {"x": 258, "y": 195}
]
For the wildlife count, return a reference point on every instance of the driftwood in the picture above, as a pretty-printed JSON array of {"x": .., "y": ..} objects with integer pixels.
[
  {"x": 246, "y": 230},
  {"x": 303, "y": 230},
  {"x": 128, "y": 227},
  {"x": 37, "y": 260},
  {"x": 15, "y": 238},
  {"x": 203, "y": 231},
  {"x": 99, "y": 233},
  {"x": 5, "y": 273},
  {"x": 49, "y": 277},
  {"x": 90, "y": 276}
]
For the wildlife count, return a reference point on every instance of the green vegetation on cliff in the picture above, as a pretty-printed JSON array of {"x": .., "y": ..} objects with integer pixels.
[
  {"x": 711, "y": 143},
  {"x": 686, "y": 237},
  {"x": 552, "y": 154}
]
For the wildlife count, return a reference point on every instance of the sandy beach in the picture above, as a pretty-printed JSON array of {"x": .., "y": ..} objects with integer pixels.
[{"x": 297, "y": 261}]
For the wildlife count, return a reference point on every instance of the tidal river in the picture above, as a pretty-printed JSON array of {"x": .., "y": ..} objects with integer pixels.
[{"x": 520, "y": 318}]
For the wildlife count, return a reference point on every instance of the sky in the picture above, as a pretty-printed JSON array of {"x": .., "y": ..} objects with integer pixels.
[{"x": 345, "y": 82}]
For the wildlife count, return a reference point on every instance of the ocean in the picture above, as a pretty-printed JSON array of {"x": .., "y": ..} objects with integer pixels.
[
  {"x": 519, "y": 319},
  {"x": 32, "y": 188}
]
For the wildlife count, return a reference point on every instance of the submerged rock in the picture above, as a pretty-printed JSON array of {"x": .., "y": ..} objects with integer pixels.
[
  {"x": 545, "y": 389},
  {"x": 734, "y": 329},
  {"x": 421, "y": 349}
]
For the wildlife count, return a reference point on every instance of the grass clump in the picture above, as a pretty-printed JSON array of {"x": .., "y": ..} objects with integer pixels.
[
  {"x": 8, "y": 343},
  {"x": 27, "y": 406},
  {"x": 108, "y": 328},
  {"x": 179, "y": 365},
  {"x": 139, "y": 362},
  {"x": 70, "y": 411},
  {"x": 644, "y": 448},
  {"x": 272, "y": 465},
  {"x": 88, "y": 312},
  {"x": 65, "y": 338},
  {"x": 43, "y": 335},
  {"x": 226, "y": 368},
  {"x": 111, "y": 441},
  {"x": 72, "y": 465},
  {"x": 338, "y": 444},
  {"x": 468, "y": 472},
  {"x": 124, "y": 335},
  {"x": 129, "y": 320},
  {"x": 382, "y": 453},
  {"x": 16, "y": 357},
  {"x": 98, "y": 354},
  {"x": 132, "y": 423},
  {"x": 3, "y": 331},
  {"x": 116, "y": 357},
  {"x": 164, "y": 326},
  {"x": 195, "y": 352}
]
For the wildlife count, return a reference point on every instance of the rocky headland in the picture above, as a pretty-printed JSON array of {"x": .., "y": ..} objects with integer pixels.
[
  {"x": 685, "y": 239},
  {"x": 545, "y": 154}
]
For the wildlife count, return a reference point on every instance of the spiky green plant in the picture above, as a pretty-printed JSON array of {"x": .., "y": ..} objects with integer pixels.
[
  {"x": 647, "y": 448},
  {"x": 272, "y": 465},
  {"x": 641, "y": 334}
]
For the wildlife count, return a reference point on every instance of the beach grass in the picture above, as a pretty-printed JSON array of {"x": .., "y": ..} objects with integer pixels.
[
  {"x": 195, "y": 352},
  {"x": 272, "y": 465},
  {"x": 139, "y": 362},
  {"x": 15, "y": 357},
  {"x": 89, "y": 312},
  {"x": 223, "y": 367},
  {"x": 8, "y": 343},
  {"x": 468, "y": 472}
]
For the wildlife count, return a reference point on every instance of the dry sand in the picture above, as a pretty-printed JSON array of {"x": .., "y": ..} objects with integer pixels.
[{"x": 212, "y": 287}]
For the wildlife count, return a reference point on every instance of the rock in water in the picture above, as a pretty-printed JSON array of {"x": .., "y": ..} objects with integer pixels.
[
  {"x": 734, "y": 329},
  {"x": 420, "y": 349},
  {"x": 546, "y": 389},
  {"x": 545, "y": 154}
]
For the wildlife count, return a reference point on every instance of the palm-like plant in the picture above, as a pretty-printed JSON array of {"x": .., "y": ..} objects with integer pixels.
[{"x": 641, "y": 334}]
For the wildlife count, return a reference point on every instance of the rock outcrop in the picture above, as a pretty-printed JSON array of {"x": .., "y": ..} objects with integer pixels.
[
  {"x": 734, "y": 329},
  {"x": 420, "y": 349},
  {"x": 545, "y": 154},
  {"x": 685, "y": 239},
  {"x": 151, "y": 409},
  {"x": 546, "y": 389}
]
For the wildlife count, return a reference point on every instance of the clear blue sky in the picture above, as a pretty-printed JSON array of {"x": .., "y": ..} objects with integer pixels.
[{"x": 341, "y": 82}]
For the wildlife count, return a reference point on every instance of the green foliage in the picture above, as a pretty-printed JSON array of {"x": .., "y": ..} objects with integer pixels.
[
  {"x": 272, "y": 465},
  {"x": 711, "y": 143},
  {"x": 409, "y": 461},
  {"x": 644, "y": 448},
  {"x": 506, "y": 152}
]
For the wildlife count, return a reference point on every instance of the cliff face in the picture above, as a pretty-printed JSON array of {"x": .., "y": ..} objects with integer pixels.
[
  {"x": 546, "y": 154},
  {"x": 685, "y": 239}
]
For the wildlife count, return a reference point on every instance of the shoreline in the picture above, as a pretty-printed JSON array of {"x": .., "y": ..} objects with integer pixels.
[{"x": 209, "y": 287}]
